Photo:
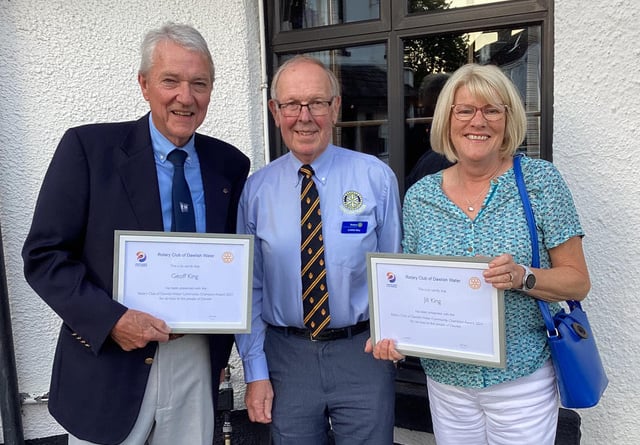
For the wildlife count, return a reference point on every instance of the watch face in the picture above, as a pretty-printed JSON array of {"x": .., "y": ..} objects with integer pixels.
[{"x": 530, "y": 281}]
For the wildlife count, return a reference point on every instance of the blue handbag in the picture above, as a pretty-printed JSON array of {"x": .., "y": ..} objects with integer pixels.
[{"x": 579, "y": 372}]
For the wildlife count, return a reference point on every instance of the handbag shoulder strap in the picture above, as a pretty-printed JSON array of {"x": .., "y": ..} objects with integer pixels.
[
  {"x": 528, "y": 211},
  {"x": 535, "y": 253}
]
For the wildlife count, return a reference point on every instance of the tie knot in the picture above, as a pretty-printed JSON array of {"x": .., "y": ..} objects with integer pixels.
[
  {"x": 307, "y": 170},
  {"x": 177, "y": 157}
]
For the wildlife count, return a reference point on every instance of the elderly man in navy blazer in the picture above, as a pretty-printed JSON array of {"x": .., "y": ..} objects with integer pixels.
[{"x": 119, "y": 375}]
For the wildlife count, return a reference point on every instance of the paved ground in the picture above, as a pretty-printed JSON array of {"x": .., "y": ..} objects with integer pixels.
[{"x": 246, "y": 433}]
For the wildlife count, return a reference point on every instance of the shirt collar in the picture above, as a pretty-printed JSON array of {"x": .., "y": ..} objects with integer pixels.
[
  {"x": 321, "y": 165},
  {"x": 163, "y": 146}
]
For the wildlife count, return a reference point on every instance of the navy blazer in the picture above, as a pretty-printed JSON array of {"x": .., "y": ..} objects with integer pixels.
[{"x": 103, "y": 177}]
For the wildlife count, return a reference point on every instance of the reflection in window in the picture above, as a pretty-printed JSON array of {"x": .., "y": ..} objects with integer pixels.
[
  {"x": 427, "y": 60},
  {"x": 362, "y": 72},
  {"x": 423, "y": 6},
  {"x": 300, "y": 14}
]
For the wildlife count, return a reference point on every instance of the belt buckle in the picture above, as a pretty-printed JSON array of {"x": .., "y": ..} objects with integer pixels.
[{"x": 311, "y": 337}]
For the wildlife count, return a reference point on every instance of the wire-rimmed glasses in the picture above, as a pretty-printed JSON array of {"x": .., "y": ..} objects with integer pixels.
[
  {"x": 315, "y": 107},
  {"x": 465, "y": 112}
]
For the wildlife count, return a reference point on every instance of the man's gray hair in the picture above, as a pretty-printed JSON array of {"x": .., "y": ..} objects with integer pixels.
[
  {"x": 183, "y": 35},
  {"x": 303, "y": 58}
]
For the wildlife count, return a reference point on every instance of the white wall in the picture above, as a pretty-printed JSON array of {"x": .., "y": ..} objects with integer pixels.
[
  {"x": 596, "y": 134},
  {"x": 66, "y": 63}
]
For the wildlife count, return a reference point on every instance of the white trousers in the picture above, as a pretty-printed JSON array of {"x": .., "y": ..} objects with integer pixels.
[
  {"x": 177, "y": 407},
  {"x": 523, "y": 411}
]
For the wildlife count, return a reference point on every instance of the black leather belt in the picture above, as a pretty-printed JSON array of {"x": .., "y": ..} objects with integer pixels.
[{"x": 327, "y": 334}]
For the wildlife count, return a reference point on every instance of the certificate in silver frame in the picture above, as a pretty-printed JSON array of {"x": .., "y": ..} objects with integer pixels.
[
  {"x": 196, "y": 282},
  {"x": 437, "y": 307}
]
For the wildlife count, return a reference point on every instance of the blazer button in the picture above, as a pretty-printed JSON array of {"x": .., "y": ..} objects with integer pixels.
[{"x": 148, "y": 361}]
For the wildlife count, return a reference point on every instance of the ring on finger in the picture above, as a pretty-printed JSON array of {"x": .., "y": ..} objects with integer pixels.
[{"x": 510, "y": 277}]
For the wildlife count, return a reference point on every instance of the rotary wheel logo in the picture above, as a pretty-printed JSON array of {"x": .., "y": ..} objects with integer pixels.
[
  {"x": 227, "y": 257},
  {"x": 352, "y": 201},
  {"x": 475, "y": 283}
]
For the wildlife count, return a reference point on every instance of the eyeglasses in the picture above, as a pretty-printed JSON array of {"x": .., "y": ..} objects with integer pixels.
[
  {"x": 464, "y": 112},
  {"x": 316, "y": 108}
]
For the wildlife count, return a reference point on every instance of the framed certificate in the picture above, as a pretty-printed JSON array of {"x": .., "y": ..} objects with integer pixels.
[
  {"x": 195, "y": 282},
  {"x": 437, "y": 307}
]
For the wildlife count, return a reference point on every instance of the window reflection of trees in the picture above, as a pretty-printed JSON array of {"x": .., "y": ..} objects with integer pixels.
[
  {"x": 423, "y": 6},
  {"x": 435, "y": 54},
  {"x": 427, "y": 5}
]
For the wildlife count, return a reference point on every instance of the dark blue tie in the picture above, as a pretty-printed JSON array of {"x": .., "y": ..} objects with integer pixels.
[{"x": 183, "y": 217}]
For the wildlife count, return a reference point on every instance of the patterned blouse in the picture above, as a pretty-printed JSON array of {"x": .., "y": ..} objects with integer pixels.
[{"x": 434, "y": 225}]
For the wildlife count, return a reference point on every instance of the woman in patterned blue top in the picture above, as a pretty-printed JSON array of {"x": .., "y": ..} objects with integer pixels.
[{"x": 473, "y": 208}]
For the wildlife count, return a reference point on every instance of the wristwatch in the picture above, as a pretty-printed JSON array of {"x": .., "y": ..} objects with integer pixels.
[{"x": 529, "y": 279}]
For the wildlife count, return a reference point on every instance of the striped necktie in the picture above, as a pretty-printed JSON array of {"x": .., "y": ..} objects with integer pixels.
[{"x": 315, "y": 297}]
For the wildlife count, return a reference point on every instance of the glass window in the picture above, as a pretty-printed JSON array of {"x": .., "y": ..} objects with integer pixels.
[
  {"x": 391, "y": 58},
  {"x": 428, "y": 61},
  {"x": 424, "y": 6},
  {"x": 300, "y": 14}
]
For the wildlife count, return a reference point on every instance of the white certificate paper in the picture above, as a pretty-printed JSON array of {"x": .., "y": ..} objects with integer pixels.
[
  {"x": 195, "y": 282},
  {"x": 437, "y": 307}
]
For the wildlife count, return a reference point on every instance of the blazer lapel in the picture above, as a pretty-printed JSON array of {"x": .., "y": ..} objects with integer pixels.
[{"x": 138, "y": 171}]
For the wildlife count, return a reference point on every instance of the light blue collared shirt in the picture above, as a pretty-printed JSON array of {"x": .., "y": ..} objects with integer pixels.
[
  {"x": 360, "y": 213},
  {"x": 161, "y": 148}
]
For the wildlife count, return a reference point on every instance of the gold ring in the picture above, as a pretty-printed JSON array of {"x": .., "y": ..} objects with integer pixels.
[{"x": 510, "y": 277}]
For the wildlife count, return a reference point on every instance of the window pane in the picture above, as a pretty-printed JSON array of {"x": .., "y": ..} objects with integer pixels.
[
  {"x": 427, "y": 60},
  {"x": 300, "y": 14},
  {"x": 362, "y": 72},
  {"x": 424, "y": 6}
]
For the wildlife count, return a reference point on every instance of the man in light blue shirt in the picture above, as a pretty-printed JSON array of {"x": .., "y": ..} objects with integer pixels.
[{"x": 307, "y": 386}]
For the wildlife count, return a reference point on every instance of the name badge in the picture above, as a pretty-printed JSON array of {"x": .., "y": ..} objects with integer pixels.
[{"x": 354, "y": 226}]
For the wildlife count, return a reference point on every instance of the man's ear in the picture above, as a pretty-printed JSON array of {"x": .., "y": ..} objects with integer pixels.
[
  {"x": 273, "y": 107},
  {"x": 144, "y": 86}
]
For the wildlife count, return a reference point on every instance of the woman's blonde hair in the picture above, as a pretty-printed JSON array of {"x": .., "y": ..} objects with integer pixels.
[{"x": 484, "y": 82}]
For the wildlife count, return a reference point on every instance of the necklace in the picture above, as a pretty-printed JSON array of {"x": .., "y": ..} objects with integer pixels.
[{"x": 471, "y": 203}]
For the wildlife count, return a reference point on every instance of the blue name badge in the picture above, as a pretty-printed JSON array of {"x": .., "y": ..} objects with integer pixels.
[{"x": 354, "y": 226}]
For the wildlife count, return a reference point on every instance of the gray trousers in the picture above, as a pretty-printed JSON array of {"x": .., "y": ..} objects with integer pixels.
[{"x": 177, "y": 406}]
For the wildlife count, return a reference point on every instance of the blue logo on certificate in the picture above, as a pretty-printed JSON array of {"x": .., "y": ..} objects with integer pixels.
[{"x": 354, "y": 226}]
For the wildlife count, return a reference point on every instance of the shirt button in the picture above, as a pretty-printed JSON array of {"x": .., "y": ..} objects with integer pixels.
[
  {"x": 148, "y": 361},
  {"x": 469, "y": 249}
]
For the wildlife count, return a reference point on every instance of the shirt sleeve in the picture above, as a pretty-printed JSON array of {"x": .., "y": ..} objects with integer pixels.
[
  {"x": 412, "y": 219},
  {"x": 251, "y": 346}
]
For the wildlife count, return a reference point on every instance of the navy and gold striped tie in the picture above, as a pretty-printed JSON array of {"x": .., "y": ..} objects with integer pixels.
[{"x": 315, "y": 296}]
